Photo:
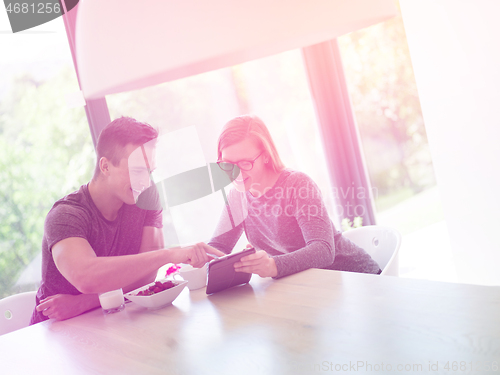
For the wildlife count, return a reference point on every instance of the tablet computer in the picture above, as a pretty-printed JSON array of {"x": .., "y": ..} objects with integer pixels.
[{"x": 221, "y": 273}]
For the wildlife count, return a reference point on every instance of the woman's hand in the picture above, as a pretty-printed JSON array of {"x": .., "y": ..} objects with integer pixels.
[
  {"x": 259, "y": 263},
  {"x": 197, "y": 255},
  {"x": 65, "y": 306}
]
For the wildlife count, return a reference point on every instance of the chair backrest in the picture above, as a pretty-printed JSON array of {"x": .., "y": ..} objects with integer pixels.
[
  {"x": 16, "y": 311},
  {"x": 382, "y": 243}
]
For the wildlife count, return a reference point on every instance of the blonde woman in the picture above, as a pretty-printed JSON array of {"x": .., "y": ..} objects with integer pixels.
[{"x": 279, "y": 209}]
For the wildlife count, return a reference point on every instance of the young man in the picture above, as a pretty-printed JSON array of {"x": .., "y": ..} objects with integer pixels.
[{"x": 96, "y": 239}]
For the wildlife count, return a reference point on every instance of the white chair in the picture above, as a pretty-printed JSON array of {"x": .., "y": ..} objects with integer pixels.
[
  {"x": 382, "y": 243},
  {"x": 16, "y": 311}
]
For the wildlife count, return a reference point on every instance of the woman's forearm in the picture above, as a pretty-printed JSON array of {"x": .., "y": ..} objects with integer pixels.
[{"x": 318, "y": 254}]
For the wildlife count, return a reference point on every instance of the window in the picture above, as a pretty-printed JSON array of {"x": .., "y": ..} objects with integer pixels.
[
  {"x": 380, "y": 78},
  {"x": 45, "y": 146}
]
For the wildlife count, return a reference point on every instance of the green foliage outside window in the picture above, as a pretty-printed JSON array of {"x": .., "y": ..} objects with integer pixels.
[
  {"x": 347, "y": 224},
  {"x": 45, "y": 153},
  {"x": 384, "y": 94}
]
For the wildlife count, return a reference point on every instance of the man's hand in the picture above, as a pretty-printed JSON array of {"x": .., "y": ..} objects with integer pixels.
[
  {"x": 65, "y": 306},
  {"x": 197, "y": 255},
  {"x": 259, "y": 263}
]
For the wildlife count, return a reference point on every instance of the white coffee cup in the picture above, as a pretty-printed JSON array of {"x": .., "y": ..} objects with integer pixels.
[
  {"x": 112, "y": 301},
  {"x": 196, "y": 277}
]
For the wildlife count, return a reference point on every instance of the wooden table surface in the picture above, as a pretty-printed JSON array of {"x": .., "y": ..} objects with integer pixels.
[{"x": 313, "y": 322}]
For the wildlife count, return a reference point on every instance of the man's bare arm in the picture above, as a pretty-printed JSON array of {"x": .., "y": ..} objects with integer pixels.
[{"x": 78, "y": 263}]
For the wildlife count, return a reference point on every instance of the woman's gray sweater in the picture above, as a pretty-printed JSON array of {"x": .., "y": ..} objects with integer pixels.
[{"x": 291, "y": 224}]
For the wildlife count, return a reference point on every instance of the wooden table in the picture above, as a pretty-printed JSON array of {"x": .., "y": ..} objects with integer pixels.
[{"x": 313, "y": 322}]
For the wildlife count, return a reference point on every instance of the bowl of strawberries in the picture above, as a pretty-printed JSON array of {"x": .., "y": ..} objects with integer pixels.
[{"x": 157, "y": 294}]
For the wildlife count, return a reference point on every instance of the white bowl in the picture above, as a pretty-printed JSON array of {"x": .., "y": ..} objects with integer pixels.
[
  {"x": 196, "y": 277},
  {"x": 159, "y": 299}
]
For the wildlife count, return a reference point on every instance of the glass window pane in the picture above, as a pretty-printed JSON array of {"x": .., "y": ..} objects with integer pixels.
[
  {"x": 385, "y": 99},
  {"x": 45, "y": 147}
]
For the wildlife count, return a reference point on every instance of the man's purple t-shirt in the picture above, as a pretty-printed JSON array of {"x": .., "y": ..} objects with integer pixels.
[{"x": 76, "y": 215}]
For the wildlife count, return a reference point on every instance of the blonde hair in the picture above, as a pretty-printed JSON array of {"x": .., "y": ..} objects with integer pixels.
[{"x": 249, "y": 126}]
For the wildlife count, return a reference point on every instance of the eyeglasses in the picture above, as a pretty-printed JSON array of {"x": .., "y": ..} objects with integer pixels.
[{"x": 244, "y": 165}]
